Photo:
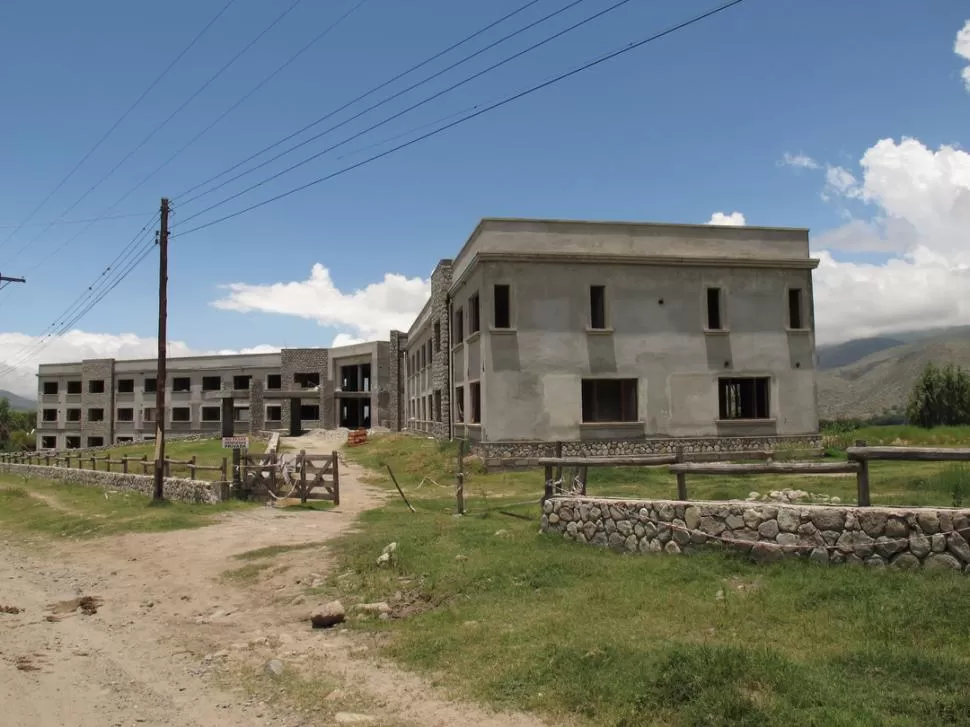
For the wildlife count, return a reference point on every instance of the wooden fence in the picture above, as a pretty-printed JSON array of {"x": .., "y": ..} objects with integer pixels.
[
  {"x": 681, "y": 465},
  {"x": 126, "y": 465},
  {"x": 306, "y": 477}
]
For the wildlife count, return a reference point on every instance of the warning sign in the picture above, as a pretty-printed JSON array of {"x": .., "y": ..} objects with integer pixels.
[{"x": 235, "y": 442}]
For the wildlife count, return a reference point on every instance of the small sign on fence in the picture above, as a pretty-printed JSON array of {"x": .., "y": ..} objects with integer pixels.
[{"x": 235, "y": 442}]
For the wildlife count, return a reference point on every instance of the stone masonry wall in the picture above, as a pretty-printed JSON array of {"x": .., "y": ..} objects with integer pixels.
[
  {"x": 308, "y": 360},
  {"x": 525, "y": 454},
  {"x": 177, "y": 489},
  {"x": 440, "y": 283},
  {"x": 383, "y": 387},
  {"x": 396, "y": 375},
  {"x": 257, "y": 411},
  {"x": 932, "y": 538}
]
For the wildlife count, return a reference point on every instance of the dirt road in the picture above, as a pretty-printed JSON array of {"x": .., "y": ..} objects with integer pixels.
[{"x": 172, "y": 644}]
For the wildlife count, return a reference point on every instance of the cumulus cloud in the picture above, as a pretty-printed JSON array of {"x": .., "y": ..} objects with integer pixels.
[
  {"x": 735, "y": 219},
  {"x": 799, "y": 161},
  {"x": 962, "y": 49},
  {"x": 920, "y": 200},
  {"x": 367, "y": 313},
  {"x": 20, "y": 354}
]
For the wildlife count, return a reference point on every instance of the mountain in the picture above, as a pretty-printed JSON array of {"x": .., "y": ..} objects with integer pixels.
[
  {"x": 870, "y": 385},
  {"x": 837, "y": 355},
  {"x": 18, "y": 403}
]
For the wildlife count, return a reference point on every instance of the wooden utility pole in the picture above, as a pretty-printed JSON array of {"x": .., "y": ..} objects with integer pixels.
[
  {"x": 5, "y": 279},
  {"x": 161, "y": 377}
]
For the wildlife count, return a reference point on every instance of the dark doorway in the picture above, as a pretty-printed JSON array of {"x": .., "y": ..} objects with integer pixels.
[
  {"x": 354, "y": 413},
  {"x": 296, "y": 421}
]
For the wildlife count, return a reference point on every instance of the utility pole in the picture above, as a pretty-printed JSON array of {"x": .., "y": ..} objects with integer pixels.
[
  {"x": 5, "y": 279},
  {"x": 161, "y": 377}
]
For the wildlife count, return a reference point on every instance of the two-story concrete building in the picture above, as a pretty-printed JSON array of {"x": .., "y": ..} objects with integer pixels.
[
  {"x": 599, "y": 333},
  {"x": 100, "y": 402}
]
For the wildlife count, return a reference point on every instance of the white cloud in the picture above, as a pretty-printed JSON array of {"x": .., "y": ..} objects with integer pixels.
[
  {"x": 962, "y": 48},
  {"x": 369, "y": 313},
  {"x": 800, "y": 161},
  {"x": 921, "y": 201},
  {"x": 345, "y": 339},
  {"x": 20, "y": 354},
  {"x": 735, "y": 219}
]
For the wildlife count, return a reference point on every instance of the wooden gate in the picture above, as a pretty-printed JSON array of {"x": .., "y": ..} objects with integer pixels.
[{"x": 309, "y": 477}]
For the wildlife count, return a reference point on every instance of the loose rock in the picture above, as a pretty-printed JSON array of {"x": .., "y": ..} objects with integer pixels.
[{"x": 328, "y": 615}]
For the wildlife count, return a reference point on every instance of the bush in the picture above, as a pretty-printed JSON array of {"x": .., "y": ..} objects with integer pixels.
[{"x": 940, "y": 397}]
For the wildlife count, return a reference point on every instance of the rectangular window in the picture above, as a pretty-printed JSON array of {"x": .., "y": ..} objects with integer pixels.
[
  {"x": 459, "y": 327},
  {"x": 502, "y": 299},
  {"x": 430, "y": 353},
  {"x": 126, "y": 386},
  {"x": 714, "y": 317},
  {"x": 211, "y": 413},
  {"x": 240, "y": 413},
  {"x": 48, "y": 442},
  {"x": 96, "y": 386},
  {"x": 795, "y": 308},
  {"x": 211, "y": 383},
  {"x": 473, "y": 313},
  {"x": 74, "y": 415},
  {"x": 72, "y": 442},
  {"x": 74, "y": 387},
  {"x": 49, "y": 415},
  {"x": 95, "y": 441},
  {"x": 475, "y": 390},
  {"x": 744, "y": 398},
  {"x": 310, "y": 412},
  {"x": 274, "y": 413},
  {"x": 609, "y": 400},
  {"x": 459, "y": 403},
  {"x": 240, "y": 383},
  {"x": 50, "y": 388},
  {"x": 309, "y": 380},
  {"x": 437, "y": 336},
  {"x": 124, "y": 440},
  {"x": 437, "y": 405},
  {"x": 181, "y": 414},
  {"x": 181, "y": 384},
  {"x": 126, "y": 415},
  {"x": 150, "y": 385},
  {"x": 597, "y": 307},
  {"x": 148, "y": 414},
  {"x": 274, "y": 382},
  {"x": 95, "y": 415}
]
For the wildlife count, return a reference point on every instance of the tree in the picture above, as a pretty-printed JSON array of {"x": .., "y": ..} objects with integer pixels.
[{"x": 941, "y": 396}]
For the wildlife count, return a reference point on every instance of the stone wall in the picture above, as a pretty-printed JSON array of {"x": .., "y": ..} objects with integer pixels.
[
  {"x": 933, "y": 538},
  {"x": 383, "y": 386},
  {"x": 525, "y": 454},
  {"x": 176, "y": 489},
  {"x": 97, "y": 370},
  {"x": 305, "y": 361},
  {"x": 257, "y": 409},
  {"x": 441, "y": 348},
  {"x": 396, "y": 375}
]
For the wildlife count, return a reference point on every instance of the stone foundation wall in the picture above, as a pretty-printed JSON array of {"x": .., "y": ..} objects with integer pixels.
[
  {"x": 176, "y": 489},
  {"x": 934, "y": 538},
  {"x": 525, "y": 454}
]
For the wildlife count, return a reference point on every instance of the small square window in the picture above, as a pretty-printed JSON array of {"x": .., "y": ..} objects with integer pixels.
[
  {"x": 126, "y": 414},
  {"x": 181, "y": 414},
  {"x": 72, "y": 442},
  {"x": 747, "y": 398},
  {"x": 126, "y": 386},
  {"x": 274, "y": 382},
  {"x": 150, "y": 385},
  {"x": 240, "y": 383},
  {"x": 181, "y": 384},
  {"x": 49, "y": 415},
  {"x": 211, "y": 383},
  {"x": 211, "y": 413},
  {"x": 96, "y": 386},
  {"x": 95, "y": 441},
  {"x": 307, "y": 380},
  {"x": 95, "y": 415},
  {"x": 609, "y": 400},
  {"x": 74, "y": 415},
  {"x": 48, "y": 442},
  {"x": 50, "y": 388},
  {"x": 74, "y": 387},
  {"x": 274, "y": 413}
]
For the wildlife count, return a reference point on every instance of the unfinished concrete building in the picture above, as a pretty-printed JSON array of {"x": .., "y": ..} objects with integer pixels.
[
  {"x": 614, "y": 337},
  {"x": 101, "y": 402}
]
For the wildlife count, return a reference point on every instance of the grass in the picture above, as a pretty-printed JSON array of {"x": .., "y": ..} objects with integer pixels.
[
  {"x": 208, "y": 452},
  {"x": 899, "y": 435},
  {"x": 53, "y": 509},
  {"x": 501, "y": 614},
  {"x": 271, "y": 551}
]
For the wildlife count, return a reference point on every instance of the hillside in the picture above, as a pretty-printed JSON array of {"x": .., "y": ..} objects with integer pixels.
[
  {"x": 882, "y": 380},
  {"x": 18, "y": 403}
]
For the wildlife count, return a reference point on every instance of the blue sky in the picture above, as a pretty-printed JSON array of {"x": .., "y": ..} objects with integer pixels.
[{"x": 695, "y": 123}]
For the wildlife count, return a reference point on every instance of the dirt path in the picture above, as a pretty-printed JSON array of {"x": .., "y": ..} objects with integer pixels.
[{"x": 173, "y": 643}]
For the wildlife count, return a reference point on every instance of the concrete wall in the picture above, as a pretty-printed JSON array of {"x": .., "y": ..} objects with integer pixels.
[
  {"x": 931, "y": 538},
  {"x": 176, "y": 489},
  {"x": 531, "y": 385}
]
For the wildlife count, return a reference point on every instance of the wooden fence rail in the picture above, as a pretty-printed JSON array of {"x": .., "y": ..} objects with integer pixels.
[
  {"x": 79, "y": 461},
  {"x": 859, "y": 457}
]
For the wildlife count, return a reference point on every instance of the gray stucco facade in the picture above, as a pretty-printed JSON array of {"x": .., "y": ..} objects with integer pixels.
[{"x": 691, "y": 332}]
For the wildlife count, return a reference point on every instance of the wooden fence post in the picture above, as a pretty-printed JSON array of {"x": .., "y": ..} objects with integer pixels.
[
  {"x": 192, "y": 467},
  {"x": 107, "y": 463},
  {"x": 47, "y": 460},
  {"x": 681, "y": 476},
  {"x": 168, "y": 466},
  {"x": 460, "y": 478},
  {"x": 225, "y": 469},
  {"x": 862, "y": 478},
  {"x": 144, "y": 464},
  {"x": 558, "y": 476},
  {"x": 336, "y": 480},
  {"x": 303, "y": 492},
  {"x": 547, "y": 489},
  {"x": 124, "y": 464},
  {"x": 94, "y": 462}
]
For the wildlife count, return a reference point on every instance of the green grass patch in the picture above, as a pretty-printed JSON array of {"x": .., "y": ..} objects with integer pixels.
[
  {"x": 271, "y": 551},
  {"x": 208, "y": 452},
  {"x": 842, "y": 437},
  {"x": 74, "y": 511},
  {"x": 498, "y": 613},
  {"x": 249, "y": 573}
]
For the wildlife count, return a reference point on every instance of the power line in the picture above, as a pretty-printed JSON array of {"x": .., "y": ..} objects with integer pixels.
[
  {"x": 77, "y": 222},
  {"x": 162, "y": 125},
  {"x": 388, "y": 119},
  {"x": 586, "y": 66},
  {"x": 364, "y": 95},
  {"x": 117, "y": 123}
]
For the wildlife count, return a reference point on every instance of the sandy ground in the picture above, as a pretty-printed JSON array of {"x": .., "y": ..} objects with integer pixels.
[{"x": 171, "y": 642}]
